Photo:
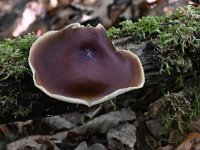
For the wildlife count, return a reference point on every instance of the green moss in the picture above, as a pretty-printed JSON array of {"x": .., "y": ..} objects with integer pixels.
[
  {"x": 3, "y": 99},
  {"x": 145, "y": 28},
  {"x": 177, "y": 42},
  {"x": 175, "y": 36},
  {"x": 22, "y": 111},
  {"x": 14, "y": 55},
  {"x": 114, "y": 33},
  {"x": 177, "y": 110},
  {"x": 9, "y": 105},
  {"x": 5, "y": 102}
]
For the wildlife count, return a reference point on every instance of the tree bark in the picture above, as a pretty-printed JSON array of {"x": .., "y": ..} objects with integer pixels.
[{"x": 24, "y": 101}]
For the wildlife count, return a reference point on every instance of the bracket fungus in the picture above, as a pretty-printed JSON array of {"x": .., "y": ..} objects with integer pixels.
[{"x": 81, "y": 65}]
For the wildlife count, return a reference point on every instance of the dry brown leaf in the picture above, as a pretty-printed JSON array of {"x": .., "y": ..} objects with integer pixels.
[
  {"x": 49, "y": 144},
  {"x": 190, "y": 142},
  {"x": 24, "y": 143},
  {"x": 29, "y": 142},
  {"x": 8, "y": 133},
  {"x": 104, "y": 122},
  {"x": 29, "y": 16},
  {"x": 82, "y": 146},
  {"x": 97, "y": 146},
  {"x": 124, "y": 134},
  {"x": 196, "y": 124},
  {"x": 58, "y": 123},
  {"x": 21, "y": 125}
]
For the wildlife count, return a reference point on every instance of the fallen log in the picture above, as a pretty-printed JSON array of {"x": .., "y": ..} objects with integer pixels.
[{"x": 21, "y": 100}]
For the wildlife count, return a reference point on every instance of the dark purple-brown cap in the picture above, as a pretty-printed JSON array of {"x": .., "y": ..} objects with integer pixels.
[{"x": 81, "y": 65}]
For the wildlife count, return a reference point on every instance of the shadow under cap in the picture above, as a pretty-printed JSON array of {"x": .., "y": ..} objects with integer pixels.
[{"x": 81, "y": 65}]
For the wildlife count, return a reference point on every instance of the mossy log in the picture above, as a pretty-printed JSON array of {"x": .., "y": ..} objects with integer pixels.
[
  {"x": 169, "y": 60},
  {"x": 21, "y": 100}
]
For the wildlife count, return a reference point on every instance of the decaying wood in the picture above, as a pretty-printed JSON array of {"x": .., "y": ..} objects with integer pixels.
[{"x": 28, "y": 102}]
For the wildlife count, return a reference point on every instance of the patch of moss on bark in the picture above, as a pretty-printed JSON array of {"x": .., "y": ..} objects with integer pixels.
[
  {"x": 9, "y": 106},
  {"x": 176, "y": 38},
  {"x": 177, "y": 110},
  {"x": 14, "y": 56}
]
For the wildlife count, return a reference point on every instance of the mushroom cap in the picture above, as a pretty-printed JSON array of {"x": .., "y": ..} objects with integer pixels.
[{"x": 81, "y": 65}]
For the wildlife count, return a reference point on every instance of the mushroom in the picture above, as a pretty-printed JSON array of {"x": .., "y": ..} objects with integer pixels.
[{"x": 81, "y": 65}]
